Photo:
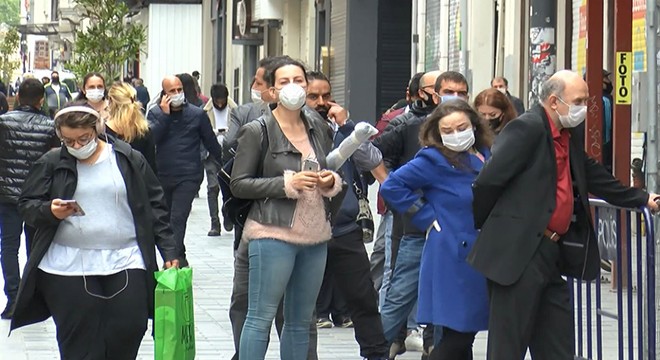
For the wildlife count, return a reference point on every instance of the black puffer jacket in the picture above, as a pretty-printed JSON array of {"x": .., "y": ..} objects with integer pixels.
[{"x": 25, "y": 135}]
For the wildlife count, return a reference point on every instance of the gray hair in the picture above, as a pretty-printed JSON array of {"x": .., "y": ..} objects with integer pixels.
[{"x": 552, "y": 86}]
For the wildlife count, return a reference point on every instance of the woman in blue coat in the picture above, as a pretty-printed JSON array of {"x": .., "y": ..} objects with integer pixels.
[{"x": 435, "y": 188}]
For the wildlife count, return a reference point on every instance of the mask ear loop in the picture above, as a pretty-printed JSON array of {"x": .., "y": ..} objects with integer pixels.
[{"x": 111, "y": 164}]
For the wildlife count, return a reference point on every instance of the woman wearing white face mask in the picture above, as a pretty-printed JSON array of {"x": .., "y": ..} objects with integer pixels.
[
  {"x": 435, "y": 187},
  {"x": 99, "y": 213},
  {"x": 93, "y": 91},
  {"x": 288, "y": 225}
]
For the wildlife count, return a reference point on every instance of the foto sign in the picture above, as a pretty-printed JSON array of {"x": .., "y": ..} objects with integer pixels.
[{"x": 624, "y": 62}]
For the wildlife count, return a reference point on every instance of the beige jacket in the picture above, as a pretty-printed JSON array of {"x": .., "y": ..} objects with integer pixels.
[{"x": 209, "y": 109}]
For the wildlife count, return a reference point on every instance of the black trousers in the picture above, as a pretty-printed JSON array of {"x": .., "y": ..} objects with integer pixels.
[
  {"x": 454, "y": 345},
  {"x": 331, "y": 302},
  {"x": 89, "y": 328},
  {"x": 348, "y": 261},
  {"x": 179, "y": 197},
  {"x": 534, "y": 313}
]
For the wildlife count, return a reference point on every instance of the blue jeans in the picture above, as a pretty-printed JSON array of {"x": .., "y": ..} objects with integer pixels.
[
  {"x": 402, "y": 295},
  {"x": 281, "y": 269},
  {"x": 11, "y": 228}
]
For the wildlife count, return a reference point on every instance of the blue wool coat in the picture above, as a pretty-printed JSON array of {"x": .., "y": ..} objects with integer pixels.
[{"x": 451, "y": 293}]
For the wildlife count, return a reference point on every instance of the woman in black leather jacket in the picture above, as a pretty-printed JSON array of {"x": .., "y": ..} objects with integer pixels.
[{"x": 288, "y": 225}]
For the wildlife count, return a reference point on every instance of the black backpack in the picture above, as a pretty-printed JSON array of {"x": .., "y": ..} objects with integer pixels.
[{"x": 236, "y": 209}]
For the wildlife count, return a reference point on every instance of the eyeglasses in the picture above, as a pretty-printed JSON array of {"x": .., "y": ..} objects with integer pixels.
[{"x": 82, "y": 141}]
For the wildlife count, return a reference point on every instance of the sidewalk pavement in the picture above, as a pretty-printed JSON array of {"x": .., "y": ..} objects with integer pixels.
[{"x": 212, "y": 261}]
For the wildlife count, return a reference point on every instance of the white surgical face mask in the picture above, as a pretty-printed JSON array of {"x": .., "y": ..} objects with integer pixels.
[
  {"x": 459, "y": 141},
  {"x": 576, "y": 115},
  {"x": 84, "y": 152},
  {"x": 94, "y": 95},
  {"x": 256, "y": 96},
  {"x": 292, "y": 96},
  {"x": 178, "y": 99},
  {"x": 502, "y": 90}
]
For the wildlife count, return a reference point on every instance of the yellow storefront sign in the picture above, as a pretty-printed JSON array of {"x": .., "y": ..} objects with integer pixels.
[{"x": 623, "y": 72}]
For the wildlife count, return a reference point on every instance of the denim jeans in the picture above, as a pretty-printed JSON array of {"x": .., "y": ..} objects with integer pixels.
[
  {"x": 281, "y": 269},
  {"x": 11, "y": 228},
  {"x": 402, "y": 295}
]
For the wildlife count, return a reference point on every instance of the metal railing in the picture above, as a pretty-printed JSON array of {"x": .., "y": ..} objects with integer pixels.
[{"x": 629, "y": 308}]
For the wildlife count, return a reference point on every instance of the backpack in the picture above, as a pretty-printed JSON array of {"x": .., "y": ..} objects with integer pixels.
[{"x": 233, "y": 208}]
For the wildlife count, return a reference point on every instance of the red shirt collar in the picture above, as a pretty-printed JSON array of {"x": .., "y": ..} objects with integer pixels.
[{"x": 556, "y": 133}]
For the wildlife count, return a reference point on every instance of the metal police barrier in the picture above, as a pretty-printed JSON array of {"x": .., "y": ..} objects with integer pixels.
[{"x": 620, "y": 322}]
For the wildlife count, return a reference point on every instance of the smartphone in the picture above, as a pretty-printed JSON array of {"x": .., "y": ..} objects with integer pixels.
[
  {"x": 73, "y": 203},
  {"x": 310, "y": 165}
]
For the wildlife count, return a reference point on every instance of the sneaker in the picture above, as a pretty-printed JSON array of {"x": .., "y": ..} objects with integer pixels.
[
  {"x": 323, "y": 323},
  {"x": 397, "y": 348},
  {"x": 347, "y": 323},
  {"x": 414, "y": 340}
]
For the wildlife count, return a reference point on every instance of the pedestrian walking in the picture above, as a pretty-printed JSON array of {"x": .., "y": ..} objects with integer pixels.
[{"x": 98, "y": 223}]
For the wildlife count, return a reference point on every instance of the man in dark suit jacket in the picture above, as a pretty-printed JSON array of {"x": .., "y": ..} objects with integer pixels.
[{"x": 531, "y": 204}]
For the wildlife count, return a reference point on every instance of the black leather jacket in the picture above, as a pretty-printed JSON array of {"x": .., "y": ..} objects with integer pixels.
[
  {"x": 25, "y": 135},
  {"x": 271, "y": 206}
]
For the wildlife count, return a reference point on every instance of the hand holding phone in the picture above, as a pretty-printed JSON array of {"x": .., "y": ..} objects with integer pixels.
[
  {"x": 165, "y": 103},
  {"x": 310, "y": 165},
  {"x": 73, "y": 204}
]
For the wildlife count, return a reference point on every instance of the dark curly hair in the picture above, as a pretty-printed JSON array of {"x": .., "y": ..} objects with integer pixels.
[{"x": 430, "y": 133}]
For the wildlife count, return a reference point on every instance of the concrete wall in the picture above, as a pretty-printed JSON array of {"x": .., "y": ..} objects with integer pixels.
[
  {"x": 208, "y": 77},
  {"x": 174, "y": 42}
]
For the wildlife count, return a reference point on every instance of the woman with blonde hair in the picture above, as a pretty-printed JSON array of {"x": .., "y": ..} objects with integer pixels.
[{"x": 126, "y": 122}]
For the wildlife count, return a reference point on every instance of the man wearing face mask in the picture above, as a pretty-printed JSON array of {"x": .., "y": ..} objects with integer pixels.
[
  {"x": 177, "y": 129},
  {"x": 502, "y": 85},
  {"x": 531, "y": 204},
  {"x": 245, "y": 113},
  {"x": 399, "y": 144},
  {"x": 217, "y": 108},
  {"x": 57, "y": 94}
]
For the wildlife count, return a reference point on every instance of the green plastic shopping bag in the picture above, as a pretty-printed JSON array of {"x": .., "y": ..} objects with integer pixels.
[{"x": 174, "y": 321}]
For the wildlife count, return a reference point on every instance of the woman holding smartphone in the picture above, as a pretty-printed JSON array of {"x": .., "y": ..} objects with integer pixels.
[
  {"x": 288, "y": 225},
  {"x": 99, "y": 213}
]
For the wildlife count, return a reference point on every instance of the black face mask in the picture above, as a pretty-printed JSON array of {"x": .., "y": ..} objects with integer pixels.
[
  {"x": 323, "y": 112},
  {"x": 608, "y": 88},
  {"x": 55, "y": 80},
  {"x": 428, "y": 102},
  {"x": 220, "y": 108},
  {"x": 495, "y": 123}
]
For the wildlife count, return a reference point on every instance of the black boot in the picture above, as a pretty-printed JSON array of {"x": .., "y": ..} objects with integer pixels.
[
  {"x": 215, "y": 227},
  {"x": 213, "y": 210}
]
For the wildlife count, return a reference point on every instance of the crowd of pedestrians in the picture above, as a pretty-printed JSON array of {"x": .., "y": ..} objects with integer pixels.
[{"x": 483, "y": 208}]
